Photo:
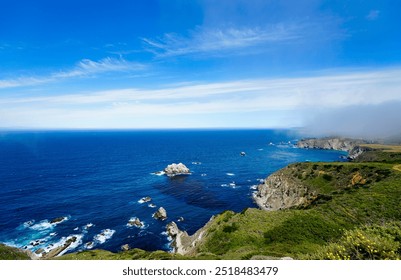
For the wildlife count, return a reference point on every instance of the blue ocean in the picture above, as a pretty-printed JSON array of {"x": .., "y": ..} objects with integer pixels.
[{"x": 90, "y": 184}]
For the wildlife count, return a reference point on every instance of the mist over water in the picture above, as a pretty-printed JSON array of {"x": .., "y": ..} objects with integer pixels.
[{"x": 374, "y": 122}]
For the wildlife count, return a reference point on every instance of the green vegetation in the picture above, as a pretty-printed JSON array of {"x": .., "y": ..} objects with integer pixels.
[
  {"x": 352, "y": 199},
  {"x": 381, "y": 153},
  {"x": 370, "y": 242},
  {"x": 133, "y": 254},
  {"x": 9, "y": 253}
]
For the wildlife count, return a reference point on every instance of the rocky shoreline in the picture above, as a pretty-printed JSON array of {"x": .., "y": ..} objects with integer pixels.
[
  {"x": 351, "y": 146},
  {"x": 278, "y": 191}
]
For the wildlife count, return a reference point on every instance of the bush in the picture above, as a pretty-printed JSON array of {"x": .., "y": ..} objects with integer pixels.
[{"x": 367, "y": 243}]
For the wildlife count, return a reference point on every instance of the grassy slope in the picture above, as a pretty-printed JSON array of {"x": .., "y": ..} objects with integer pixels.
[
  {"x": 341, "y": 206},
  {"x": 9, "y": 253}
]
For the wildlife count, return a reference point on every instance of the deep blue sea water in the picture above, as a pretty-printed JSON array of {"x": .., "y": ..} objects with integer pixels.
[{"x": 95, "y": 179}]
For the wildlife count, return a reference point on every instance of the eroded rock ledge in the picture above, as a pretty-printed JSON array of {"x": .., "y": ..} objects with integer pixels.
[
  {"x": 282, "y": 191},
  {"x": 183, "y": 243}
]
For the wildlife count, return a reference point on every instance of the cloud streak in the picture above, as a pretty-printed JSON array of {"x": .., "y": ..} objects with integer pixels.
[
  {"x": 206, "y": 40},
  {"x": 299, "y": 101},
  {"x": 84, "y": 68}
]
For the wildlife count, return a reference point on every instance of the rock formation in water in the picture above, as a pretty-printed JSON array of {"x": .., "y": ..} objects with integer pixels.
[
  {"x": 160, "y": 214},
  {"x": 176, "y": 169},
  {"x": 135, "y": 222}
]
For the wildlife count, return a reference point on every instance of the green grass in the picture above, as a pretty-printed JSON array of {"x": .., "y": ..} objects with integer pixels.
[
  {"x": 9, "y": 253},
  {"x": 341, "y": 205}
]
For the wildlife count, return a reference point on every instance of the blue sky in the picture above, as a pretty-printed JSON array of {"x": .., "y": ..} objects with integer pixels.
[{"x": 180, "y": 64}]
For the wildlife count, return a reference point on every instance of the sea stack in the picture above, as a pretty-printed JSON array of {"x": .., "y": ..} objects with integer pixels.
[
  {"x": 176, "y": 169},
  {"x": 160, "y": 214}
]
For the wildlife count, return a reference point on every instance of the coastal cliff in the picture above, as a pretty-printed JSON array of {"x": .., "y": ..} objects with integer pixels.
[
  {"x": 281, "y": 191},
  {"x": 183, "y": 243},
  {"x": 351, "y": 146}
]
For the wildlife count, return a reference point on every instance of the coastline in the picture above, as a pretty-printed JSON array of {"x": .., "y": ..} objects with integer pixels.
[{"x": 289, "y": 193}]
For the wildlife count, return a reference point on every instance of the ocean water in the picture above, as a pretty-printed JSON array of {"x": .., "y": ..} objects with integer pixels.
[{"x": 95, "y": 180}]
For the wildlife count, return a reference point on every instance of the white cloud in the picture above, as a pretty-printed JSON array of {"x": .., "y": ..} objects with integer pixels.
[
  {"x": 83, "y": 68},
  {"x": 203, "y": 40},
  {"x": 199, "y": 104}
]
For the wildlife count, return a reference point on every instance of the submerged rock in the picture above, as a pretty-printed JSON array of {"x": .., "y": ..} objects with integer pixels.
[
  {"x": 57, "y": 220},
  {"x": 145, "y": 199},
  {"x": 176, "y": 169},
  {"x": 160, "y": 214}
]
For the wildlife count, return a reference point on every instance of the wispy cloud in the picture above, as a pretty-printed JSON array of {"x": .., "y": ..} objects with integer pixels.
[
  {"x": 296, "y": 99},
  {"x": 204, "y": 40},
  {"x": 373, "y": 15},
  {"x": 83, "y": 68}
]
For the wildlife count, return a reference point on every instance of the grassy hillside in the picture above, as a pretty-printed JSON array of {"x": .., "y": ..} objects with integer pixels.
[
  {"x": 9, "y": 253},
  {"x": 350, "y": 196}
]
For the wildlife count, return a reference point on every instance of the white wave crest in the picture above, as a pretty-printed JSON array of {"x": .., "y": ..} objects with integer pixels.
[{"x": 104, "y": 235}]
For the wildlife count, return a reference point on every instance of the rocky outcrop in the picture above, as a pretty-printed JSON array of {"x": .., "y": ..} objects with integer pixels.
[
  {"x": 135, "y": 222},
  {"x": 183, "y": 243},
  {"x": 176, "y": 169},
  {"x": 330, "y": 143},
  {"x": 281, "y": 191},
  {"x": 125, "y": 247},
  {"x": 160, "y": 214},
  {"x": 357, "y": 151}
]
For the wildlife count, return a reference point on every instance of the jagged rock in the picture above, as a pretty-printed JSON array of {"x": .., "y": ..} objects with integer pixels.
[
  {"x": 145, "y": 199},
  {"x": 135, "y": 222},
  {"x": 61, "y": 248},
  {"x": 125, "y": 247},
  {"x": 281, "y": 191},
  {"x": 357, "y": 151},
  {"x": 39, "y": 251},
  {"x": 330, "y": 143},
  {"x": 183, "y": 243},
  {"x": 180, "y": 219},
  {"x": 351, "y": 146},
  {"x": 160, "y": 214},
  {"x": 176, "y": 169},
  {"x": 89, "y": 245}
]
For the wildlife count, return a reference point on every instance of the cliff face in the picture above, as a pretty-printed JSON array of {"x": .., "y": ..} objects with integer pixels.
[
  {"x": 281, "y": 191},
  {"x": 351, "y": 146},
  {"x": 341, "y": 144},
  {"x": 183, "y": 243}
]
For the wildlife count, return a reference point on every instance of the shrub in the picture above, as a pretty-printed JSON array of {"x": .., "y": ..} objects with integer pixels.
[{"x": 367, "y": 243}]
